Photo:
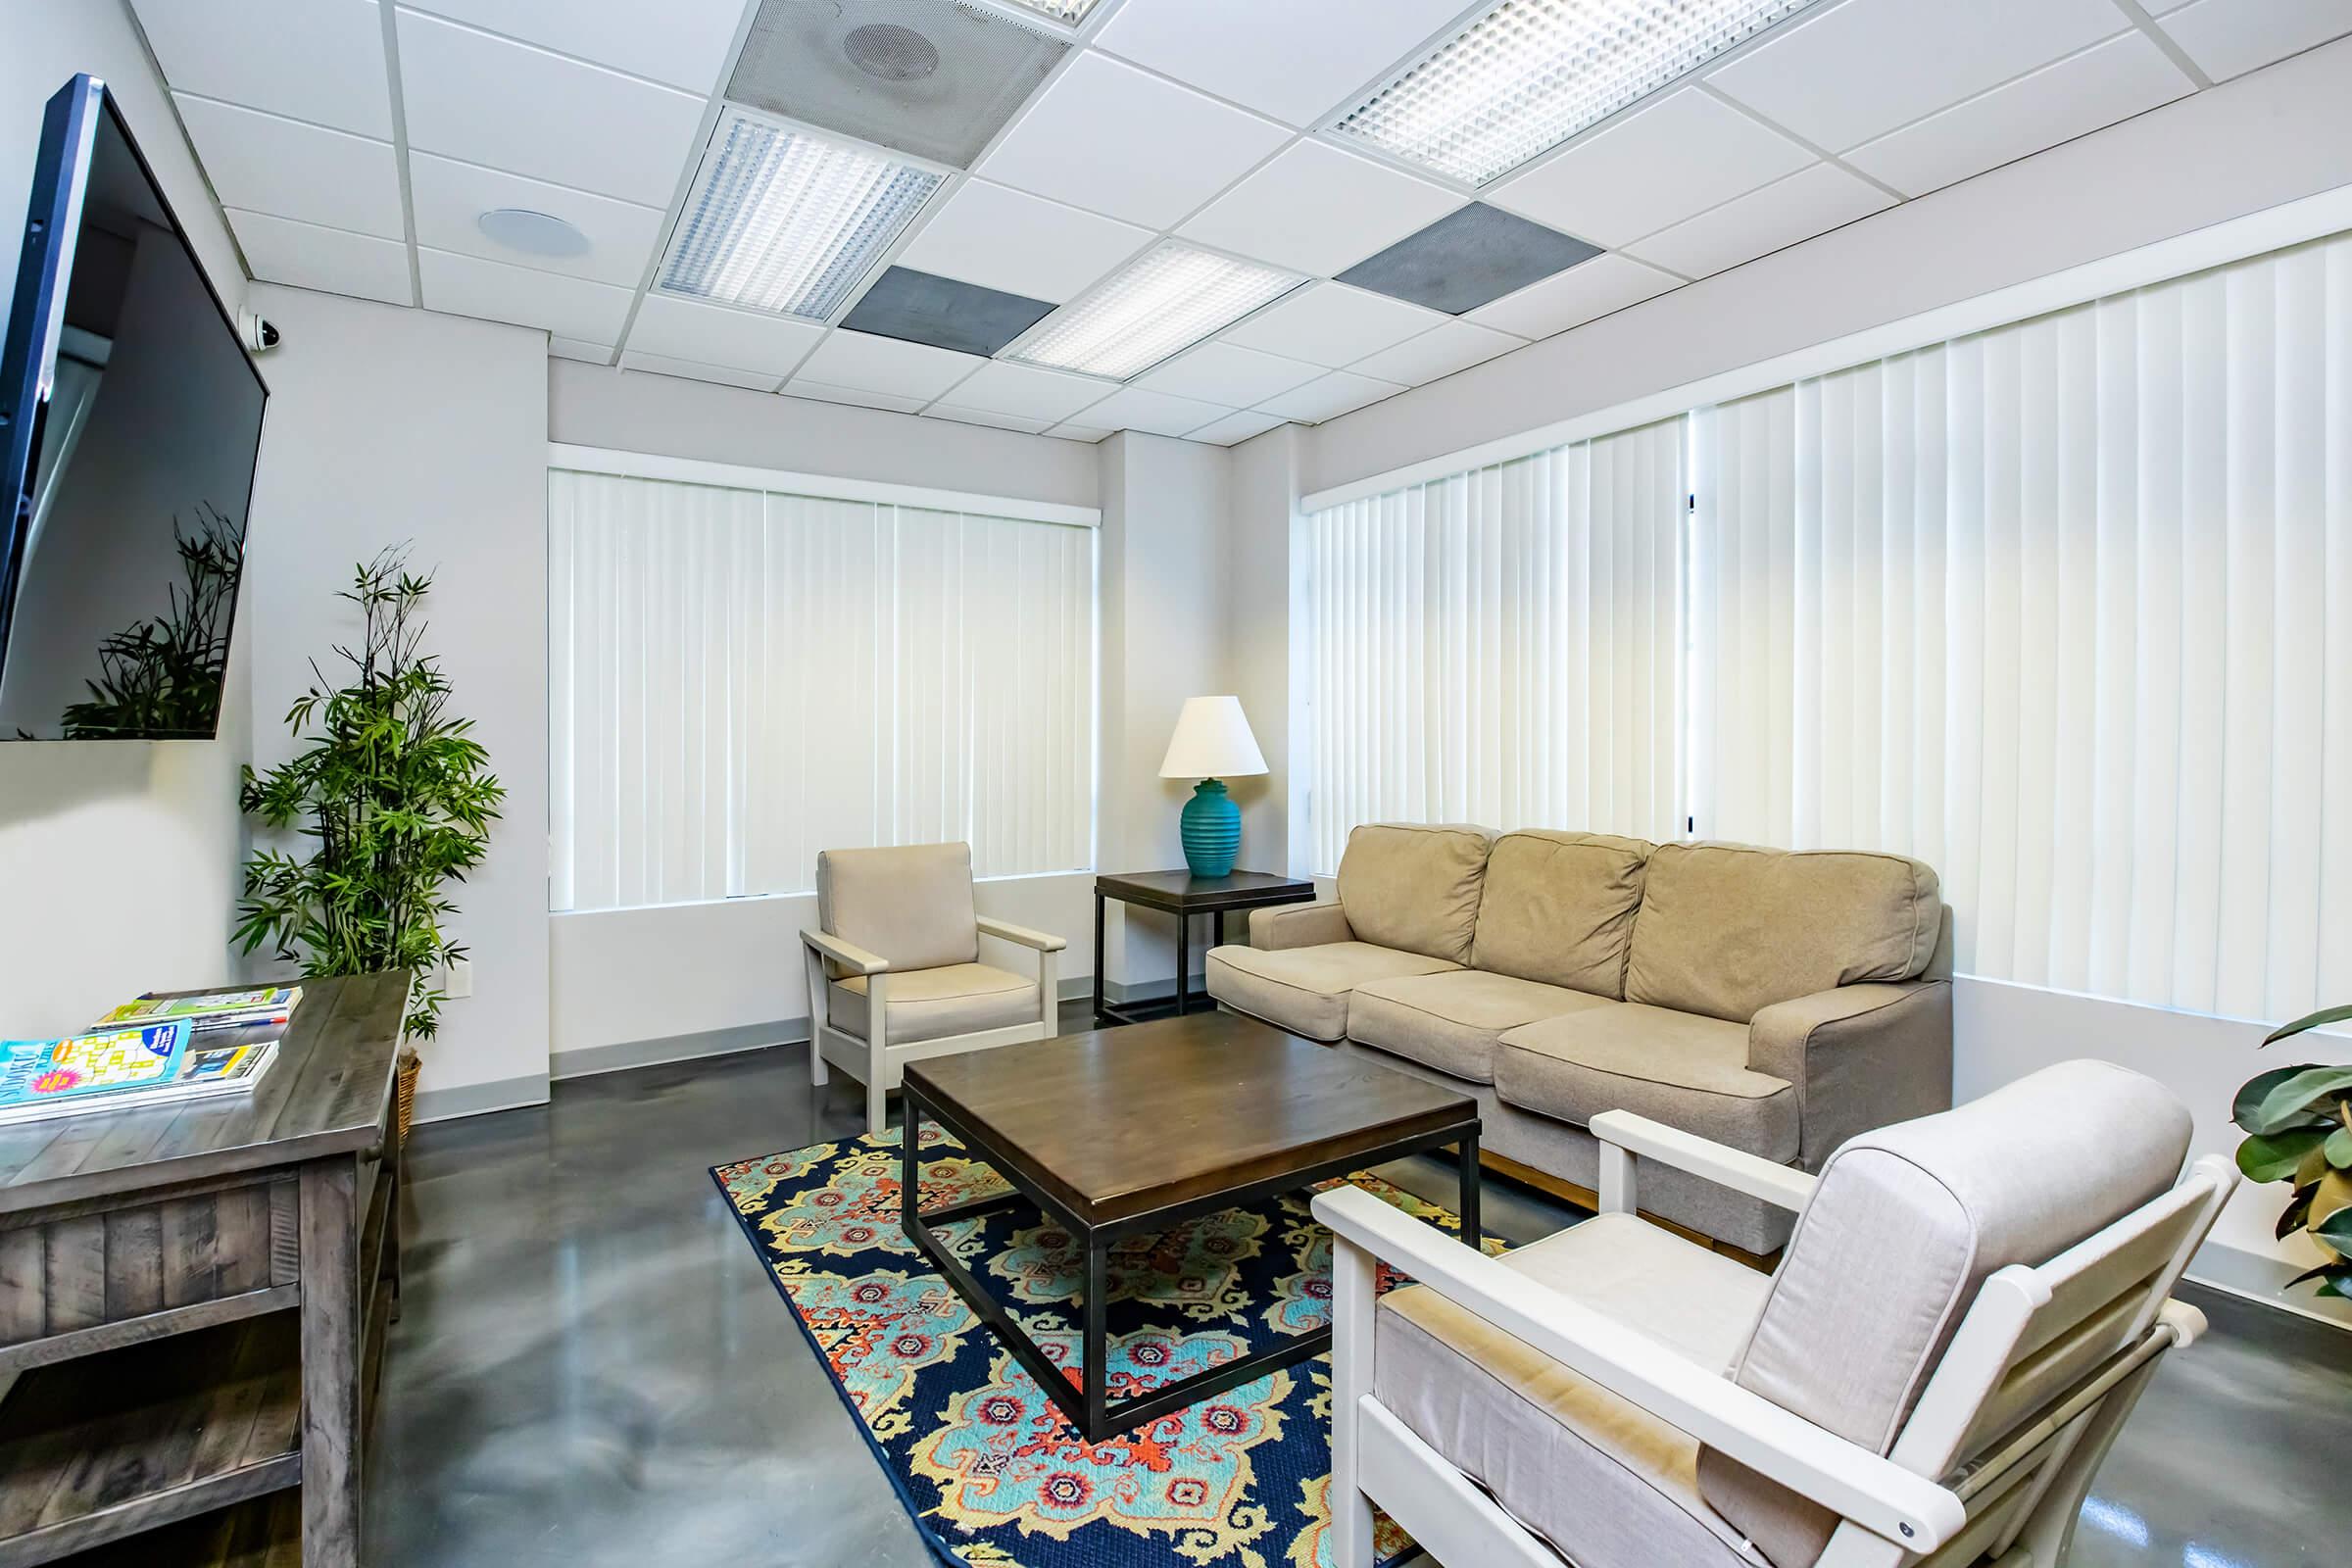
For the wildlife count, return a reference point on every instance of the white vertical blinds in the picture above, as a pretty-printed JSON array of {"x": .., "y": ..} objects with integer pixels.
[
  {"x": 2064, "y": 608},
  {"x": 740, "y": 679},
  {"x": 1503, "y": 646}
]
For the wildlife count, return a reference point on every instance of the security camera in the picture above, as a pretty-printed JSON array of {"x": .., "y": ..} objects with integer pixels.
[{"x": 258, "y": 335}]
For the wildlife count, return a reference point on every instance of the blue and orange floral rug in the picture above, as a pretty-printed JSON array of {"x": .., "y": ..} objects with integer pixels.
[{"x": 984, "y": 1461}]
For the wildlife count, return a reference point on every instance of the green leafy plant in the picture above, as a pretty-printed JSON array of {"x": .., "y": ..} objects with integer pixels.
[
  {"x": 395, "y": 790},
  {"x": 2299, "y": 1127},
  {"x": 163, "y": 675}
]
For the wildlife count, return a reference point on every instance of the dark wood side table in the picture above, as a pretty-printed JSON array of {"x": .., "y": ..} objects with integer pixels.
[
  {"x": 1184, "y": 895},
  {"x": 193, "y": 1298}
]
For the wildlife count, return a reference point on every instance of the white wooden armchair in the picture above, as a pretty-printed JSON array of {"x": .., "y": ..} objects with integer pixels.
[
  {"x": 895, "y": 973},
  {"x": 1969, "y": 1308}
]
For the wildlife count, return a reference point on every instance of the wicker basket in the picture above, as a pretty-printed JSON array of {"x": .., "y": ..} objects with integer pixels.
[{"x": 404, "y": 1090}]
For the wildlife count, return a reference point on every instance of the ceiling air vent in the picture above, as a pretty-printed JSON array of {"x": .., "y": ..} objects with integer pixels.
[{"x": 928, "y": 77}]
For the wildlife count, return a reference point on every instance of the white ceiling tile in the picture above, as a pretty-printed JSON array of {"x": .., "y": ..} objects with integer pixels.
[
  {"x": 1317, "y": 209},
  {"x": 873, "y": 364},
  {"x": 317, "y": 60},
  {"x": 1236, "y": 428},
  {"x": 1081, "y": 432},
  {"x": 1803, "y": 204},
  {"x": 690, "y": 371},
  {"x": 571, "y": 347},
  {"x": 1857, "y": 70},
  {"x": 2105, "y": 83},
  {"x": 2231, "y": 37},
  {"x": 1134, "y": 407},
  {"x": 1007, "y": 239},
  {"x": 450, "y": 197},
  {"x": 855, "y": 396},
  {"x": 1111, "y": 139},
  {"x": 1226, "y": 373},
  {"x": 683, "y": 42},
  {"x": 467, "y": 285},
  {"x": 267, "y": 163},
  {"x": 1297, "y": 61},
  {"x": 1683, "y": 154},
  {"x": 1028, "y": 392},
  {"x": 509, "y": 106},
  {"x": 714, "y": 335},
  {"x": 1583, "y": 293},
  {"x": 1332, "y": 324},
  {"x": 1337, "y": 393},
  {"x": 986, "y": 416},
  {"x": 1440, "y": 351},
  {"x": 333, "y": 261}
]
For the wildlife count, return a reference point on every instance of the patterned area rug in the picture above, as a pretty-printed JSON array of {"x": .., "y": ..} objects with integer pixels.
[{"x": 984, "y": 1461}]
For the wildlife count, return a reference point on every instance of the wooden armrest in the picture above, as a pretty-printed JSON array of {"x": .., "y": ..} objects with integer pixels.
[
  {"x": 1736, "y": 1168},
  {"x": 848, "y": 955},
  {"x": 1849, "y": 1480},
  {"x": 1021, "y": 934}
]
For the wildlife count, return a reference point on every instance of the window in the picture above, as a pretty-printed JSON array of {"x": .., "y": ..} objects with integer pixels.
[{"x": 744, "y": 676}]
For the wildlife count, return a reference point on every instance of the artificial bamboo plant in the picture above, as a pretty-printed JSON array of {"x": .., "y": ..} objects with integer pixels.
[
  {"x": 394, "y": 791},
  {"x": 2298, "y": 1126}
]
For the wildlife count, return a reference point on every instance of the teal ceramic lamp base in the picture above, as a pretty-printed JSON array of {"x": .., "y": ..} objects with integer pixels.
[{"x": 1211, "y": 829}]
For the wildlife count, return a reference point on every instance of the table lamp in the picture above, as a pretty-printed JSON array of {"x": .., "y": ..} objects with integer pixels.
[{"x": 1212, "y": 743}]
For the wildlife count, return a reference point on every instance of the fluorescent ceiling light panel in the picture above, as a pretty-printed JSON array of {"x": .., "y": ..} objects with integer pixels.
[
  {"x": 787, "y": 221},
  {"x": 1531, "y": 73},
  {"x": 1170, "y": 299}
]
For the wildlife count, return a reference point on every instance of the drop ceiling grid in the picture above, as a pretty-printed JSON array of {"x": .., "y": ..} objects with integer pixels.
[{"x": 1086, "y": 43}]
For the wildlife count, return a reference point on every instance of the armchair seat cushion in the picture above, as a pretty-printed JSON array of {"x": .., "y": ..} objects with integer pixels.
[
  {"x": 1606, "y": 1482},
  {"x": 1451, "y": 1020},
  {"x": 1304, "y": 990},
  {"x": 954, "y": 998},
  {"x": 1681, "y": 1069}
]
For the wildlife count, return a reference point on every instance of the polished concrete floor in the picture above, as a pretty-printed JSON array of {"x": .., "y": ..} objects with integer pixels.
[{"x": 593, "y": 1371}]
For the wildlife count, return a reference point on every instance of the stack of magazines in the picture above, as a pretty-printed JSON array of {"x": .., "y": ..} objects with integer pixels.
[{"x": 155, "y": 1050}]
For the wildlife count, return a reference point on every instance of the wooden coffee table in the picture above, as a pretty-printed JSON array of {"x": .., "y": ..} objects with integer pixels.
[{"x": 1117, "y": 1132}]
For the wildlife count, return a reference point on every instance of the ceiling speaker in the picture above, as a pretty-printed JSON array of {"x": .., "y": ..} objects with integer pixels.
[{"x": 928, "y": 77}]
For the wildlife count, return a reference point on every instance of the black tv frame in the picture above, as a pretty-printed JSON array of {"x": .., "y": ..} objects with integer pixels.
[{"x": 36, "y": 318}]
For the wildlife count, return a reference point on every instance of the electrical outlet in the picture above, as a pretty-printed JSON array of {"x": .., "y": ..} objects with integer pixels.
[{"x": 457, "y": 978}]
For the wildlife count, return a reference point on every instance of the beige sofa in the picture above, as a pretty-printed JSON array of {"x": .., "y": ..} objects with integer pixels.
[{"x": 1779, "y": 1002}]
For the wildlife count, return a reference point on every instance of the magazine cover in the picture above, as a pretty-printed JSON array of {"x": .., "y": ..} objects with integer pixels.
[
  {"x": 38, "y": 1071},
  {"x": 210, "y": 1009}
]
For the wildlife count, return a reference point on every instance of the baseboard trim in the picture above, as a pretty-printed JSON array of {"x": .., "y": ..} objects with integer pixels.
[
  {"x": 480, "y": 1100},
  {"x": 589, "y": 1060},
  {"x": 2262, "y": 1280}
]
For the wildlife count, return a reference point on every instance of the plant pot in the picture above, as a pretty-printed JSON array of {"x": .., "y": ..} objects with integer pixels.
[{"x": 409, "y": 1066}]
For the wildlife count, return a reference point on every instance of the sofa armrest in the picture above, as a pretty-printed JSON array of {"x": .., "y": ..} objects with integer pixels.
[
  {"x": 1860, "y": 1056},
  {"x": 1299, "y": 925}
]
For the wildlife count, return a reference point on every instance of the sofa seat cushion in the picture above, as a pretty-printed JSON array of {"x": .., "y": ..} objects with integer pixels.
[
  {"x": 1606, "y": 1482},
  {"x": 1451, "y": 1020},
  {"x": 1680, "y": 1068},
  {"x": 954, "y": 998},
  {"x": 1304, "y": 990}
]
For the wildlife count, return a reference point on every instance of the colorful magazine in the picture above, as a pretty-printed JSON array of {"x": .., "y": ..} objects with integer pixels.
[
  {"x": 209, "y": 1010},
  {"x": 206, "y": 1072},
  {"x": 50, "y": 1072}
]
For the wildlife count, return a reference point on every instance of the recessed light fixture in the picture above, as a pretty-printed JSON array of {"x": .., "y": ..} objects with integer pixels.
[
  {"x": 781, "y": 219},
  {"x": 1072, "y": 12},
  {"x": 1166, "y": 302},
  {"x": 1531, "y": 73},
  {"x": 518, "y": 228}
]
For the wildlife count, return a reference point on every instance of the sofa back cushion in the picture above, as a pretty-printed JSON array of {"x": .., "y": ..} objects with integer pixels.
[
  {"x": 910, "y": 903},
  {"x": 1728, "y": 930},
  {"x": 1415, "y": 888},
  {"x": 1558, "y": 908},
  {"x": 1906, "y": 1225}
]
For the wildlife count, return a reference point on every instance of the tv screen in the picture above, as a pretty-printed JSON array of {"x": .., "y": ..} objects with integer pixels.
[{"x": 131, "y": 416}]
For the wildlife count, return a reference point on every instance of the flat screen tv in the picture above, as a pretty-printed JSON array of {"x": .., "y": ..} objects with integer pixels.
[{"x": 131, "y": 416}]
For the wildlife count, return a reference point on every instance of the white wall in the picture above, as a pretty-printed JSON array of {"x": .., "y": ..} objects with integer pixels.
[
  {"x": 120, "y": 857},
  {"x": 397, "y": 426},
  {"x": 1261, "y": 486}
]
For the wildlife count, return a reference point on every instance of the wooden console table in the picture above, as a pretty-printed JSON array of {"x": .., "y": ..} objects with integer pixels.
[
  {"x": 1184, "y": 895},
  {"x": 193, "y": 1303}
]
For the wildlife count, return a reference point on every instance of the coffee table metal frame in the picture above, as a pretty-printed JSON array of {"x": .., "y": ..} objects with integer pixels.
[{"x": 1088, "y": 1408}]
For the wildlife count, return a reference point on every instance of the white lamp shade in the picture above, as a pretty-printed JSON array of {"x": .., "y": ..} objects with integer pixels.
[{"x": 1213, "y": 740}]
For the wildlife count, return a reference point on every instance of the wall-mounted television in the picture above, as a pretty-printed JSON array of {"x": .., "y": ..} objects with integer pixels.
[{"x": 130, "y": 417}]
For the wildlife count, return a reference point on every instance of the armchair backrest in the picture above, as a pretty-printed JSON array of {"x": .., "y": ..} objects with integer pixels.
[
  {"x": 1956, "y": 1277},
  {"x": 910, "y": 903},
  {"x": 1415, "y": 887}
]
